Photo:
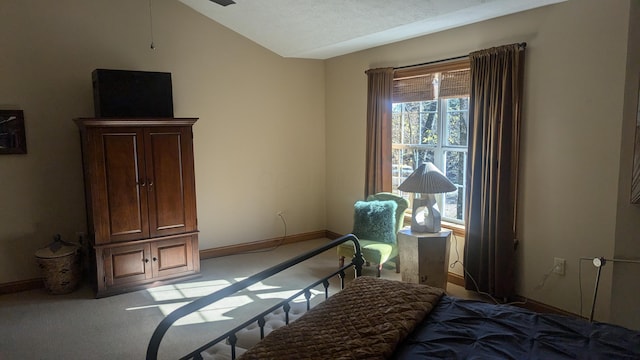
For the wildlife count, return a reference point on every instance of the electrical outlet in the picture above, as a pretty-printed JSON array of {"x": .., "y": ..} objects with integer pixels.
[{"x": 558, "y": 266}]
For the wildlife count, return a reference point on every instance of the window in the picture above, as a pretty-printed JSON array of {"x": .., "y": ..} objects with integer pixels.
[{"x": 430, "y": 123}]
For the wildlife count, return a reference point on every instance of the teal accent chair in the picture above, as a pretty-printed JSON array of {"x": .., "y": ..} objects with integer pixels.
[{"x": 376, "y": 224}]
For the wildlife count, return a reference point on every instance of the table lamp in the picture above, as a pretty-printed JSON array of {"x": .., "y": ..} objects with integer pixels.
[{"x": 424, "y": 182}]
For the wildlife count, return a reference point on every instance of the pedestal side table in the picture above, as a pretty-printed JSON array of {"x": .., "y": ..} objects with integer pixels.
[{"x": 424, "y": 257}]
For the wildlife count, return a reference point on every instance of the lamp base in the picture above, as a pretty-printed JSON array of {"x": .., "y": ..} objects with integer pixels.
[{"x": 426, "y": 217}]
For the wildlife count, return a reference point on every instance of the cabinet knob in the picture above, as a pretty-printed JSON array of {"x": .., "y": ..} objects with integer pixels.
[
  {"x": 142, "y": 183},
  {"x": 146, "y": 260},
  {"x": 155, "y": 258}
]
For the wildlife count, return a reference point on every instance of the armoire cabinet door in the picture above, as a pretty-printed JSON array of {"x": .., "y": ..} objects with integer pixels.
[
  {"x": 119, "y": 180},
  {"x": 171, "y": 181},
  {"x": 127, "y": 264},
  {"x": 172, "y": 256}
]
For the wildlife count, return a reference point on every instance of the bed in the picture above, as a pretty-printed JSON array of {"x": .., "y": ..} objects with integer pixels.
[{"x": 374, "y": 318}]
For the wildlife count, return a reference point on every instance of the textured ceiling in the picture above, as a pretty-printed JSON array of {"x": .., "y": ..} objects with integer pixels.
[{"x": 321, "y": 29}]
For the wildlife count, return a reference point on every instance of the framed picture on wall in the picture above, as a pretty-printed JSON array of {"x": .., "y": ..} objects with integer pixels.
[
  {"x": 635, "y": 182},
  {"x": 12, "y": 136}
]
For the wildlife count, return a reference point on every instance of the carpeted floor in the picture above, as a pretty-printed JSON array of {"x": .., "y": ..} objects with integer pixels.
[{"x": 36, "y": 325}]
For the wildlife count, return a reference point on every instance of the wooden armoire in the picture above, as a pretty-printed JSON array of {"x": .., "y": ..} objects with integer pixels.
[{"x": 141, "y": 201}]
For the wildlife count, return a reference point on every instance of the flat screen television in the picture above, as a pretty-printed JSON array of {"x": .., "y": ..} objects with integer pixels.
[{"x": 137, "y": 94}]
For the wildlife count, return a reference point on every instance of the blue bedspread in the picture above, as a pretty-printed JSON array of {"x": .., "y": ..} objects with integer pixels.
[{"x": 465, "y": 329}]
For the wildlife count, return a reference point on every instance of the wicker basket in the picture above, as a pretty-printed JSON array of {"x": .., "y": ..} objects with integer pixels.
[{"x": 60, "y": 269}]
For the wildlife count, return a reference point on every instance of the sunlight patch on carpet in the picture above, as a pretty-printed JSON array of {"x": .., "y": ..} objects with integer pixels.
[
  {"x": 187, "y": 290},
  {"x": 170, "y": 297}
]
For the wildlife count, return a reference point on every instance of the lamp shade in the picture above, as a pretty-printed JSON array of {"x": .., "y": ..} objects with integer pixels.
[{"x": 427, "y": 179}]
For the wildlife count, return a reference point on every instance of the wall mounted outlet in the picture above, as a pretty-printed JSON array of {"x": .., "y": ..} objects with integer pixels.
[{"x": 559, "y": 266}]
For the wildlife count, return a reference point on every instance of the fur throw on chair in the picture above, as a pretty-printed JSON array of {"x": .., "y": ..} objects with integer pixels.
[{"x": 375, "y": 220}]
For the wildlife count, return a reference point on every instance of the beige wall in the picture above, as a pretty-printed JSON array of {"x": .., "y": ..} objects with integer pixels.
[
  {"x": 571, "y": 137},
  {"x": 259, "y": 143},
  {"x": 625, "y": 295}
]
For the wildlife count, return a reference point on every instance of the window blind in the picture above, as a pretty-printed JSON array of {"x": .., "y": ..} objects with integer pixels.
[{"x": 428, "y": 82}]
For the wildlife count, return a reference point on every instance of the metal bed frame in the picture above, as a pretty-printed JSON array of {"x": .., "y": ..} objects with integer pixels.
[{"x": 230, "y": 336}]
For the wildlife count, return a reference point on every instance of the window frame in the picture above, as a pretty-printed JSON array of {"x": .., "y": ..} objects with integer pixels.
[{"x": 441, "y": 147}]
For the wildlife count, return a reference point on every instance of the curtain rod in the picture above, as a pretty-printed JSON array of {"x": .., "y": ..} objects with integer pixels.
[{"x": 521, "y": 45}]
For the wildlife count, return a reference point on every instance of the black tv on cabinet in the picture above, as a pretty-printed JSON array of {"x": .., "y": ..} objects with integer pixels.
[{"x": 137, "y": 94}]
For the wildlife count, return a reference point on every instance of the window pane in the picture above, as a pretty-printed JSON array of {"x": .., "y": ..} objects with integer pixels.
[
  {"x": 429, "y": 123},
  {"x": 457, "y": 128},
  {"x": 457, "y": 121},
  {"x": 411, "y": 123},
  {"x": 396, "y": 125},
  {"x": 453, "y": 205},
  {"x": 455, "y": 166},
  {"x": 396, "y": 169},
  {"x": 455, "y": 163}
]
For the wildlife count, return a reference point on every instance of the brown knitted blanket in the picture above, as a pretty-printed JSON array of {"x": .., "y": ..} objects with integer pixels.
[{"x": 366, "y": 320}]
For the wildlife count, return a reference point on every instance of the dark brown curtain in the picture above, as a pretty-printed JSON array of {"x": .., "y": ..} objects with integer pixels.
[
  {"x": 492, "y": 171},
  {"x": 378, "y": 160}
]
